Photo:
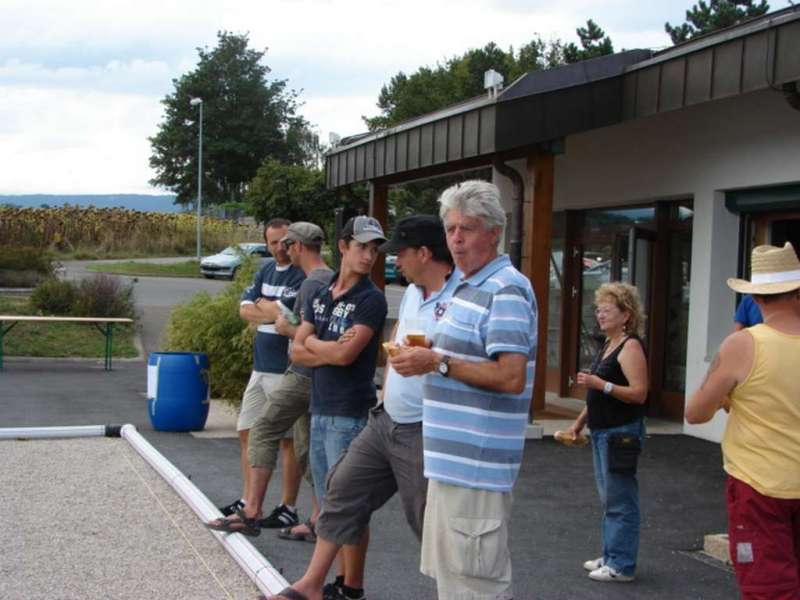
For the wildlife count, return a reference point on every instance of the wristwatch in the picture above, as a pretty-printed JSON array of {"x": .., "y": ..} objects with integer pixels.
[{"x": 444, "y": 366}]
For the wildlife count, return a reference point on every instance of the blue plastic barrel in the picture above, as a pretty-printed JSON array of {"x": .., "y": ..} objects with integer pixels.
[{"x": 177, "y": 390}]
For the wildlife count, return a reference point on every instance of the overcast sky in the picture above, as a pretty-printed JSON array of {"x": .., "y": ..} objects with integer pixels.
[{"x": 81, "y": 81}]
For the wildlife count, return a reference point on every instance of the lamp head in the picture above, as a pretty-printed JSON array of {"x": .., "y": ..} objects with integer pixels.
[{"x": 195, "y": 101}]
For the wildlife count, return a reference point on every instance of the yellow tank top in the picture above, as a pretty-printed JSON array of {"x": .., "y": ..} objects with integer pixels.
[{"x": 761, "y": 445}]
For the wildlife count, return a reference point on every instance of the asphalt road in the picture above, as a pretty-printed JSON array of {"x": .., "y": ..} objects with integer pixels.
[{"x": 155, "y": 296}]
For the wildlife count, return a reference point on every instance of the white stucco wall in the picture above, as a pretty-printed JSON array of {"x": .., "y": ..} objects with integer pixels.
[{"x": 699, "y": 152}]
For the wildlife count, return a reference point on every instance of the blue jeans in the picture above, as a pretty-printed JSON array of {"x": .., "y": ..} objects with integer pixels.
[
  {"x": 619, "y": 497},
  {"x": 330, "y": 437}
]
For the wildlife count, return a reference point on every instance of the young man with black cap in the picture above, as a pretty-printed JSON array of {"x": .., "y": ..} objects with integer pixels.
[{"x": 386, "y": 457}]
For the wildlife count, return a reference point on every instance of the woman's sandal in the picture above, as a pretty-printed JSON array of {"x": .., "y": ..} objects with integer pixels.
[
  {"x": 287, "y": 534},
  {"x": 240, "y": 524}
]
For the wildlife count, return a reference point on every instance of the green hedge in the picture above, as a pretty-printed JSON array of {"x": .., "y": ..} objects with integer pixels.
[{"x": 211, "y": 324}]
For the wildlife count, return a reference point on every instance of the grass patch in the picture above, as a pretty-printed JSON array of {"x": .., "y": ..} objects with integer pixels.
[
  {"x": 189, "y": 268},
  {"x": 60, "y": 340}
]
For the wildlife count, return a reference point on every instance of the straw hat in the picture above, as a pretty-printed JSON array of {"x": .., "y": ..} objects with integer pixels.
[{"x": 773, "y": 270}]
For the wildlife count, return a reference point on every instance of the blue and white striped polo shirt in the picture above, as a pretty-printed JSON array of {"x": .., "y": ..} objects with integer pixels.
[{"x": 474, "y": 437}]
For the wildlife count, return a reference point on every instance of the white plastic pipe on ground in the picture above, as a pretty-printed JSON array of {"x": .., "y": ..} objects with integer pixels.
[
  {"x": 260, "y": 571},
  {"x": 32, "y": 433},
  {"x": 263, "y": 574}
]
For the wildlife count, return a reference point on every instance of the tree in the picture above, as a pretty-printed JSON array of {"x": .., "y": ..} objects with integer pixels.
[
  {"x": 717, "y": 14},
  {"x": 594, "y": 42},
  {"x": 294, "y": 192},
  {"x": 246, "y": 118},
  {"x": 461, "y": 77}
]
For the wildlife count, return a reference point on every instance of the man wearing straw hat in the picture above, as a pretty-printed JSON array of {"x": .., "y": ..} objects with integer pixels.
[{"x": 754, "y": 378}]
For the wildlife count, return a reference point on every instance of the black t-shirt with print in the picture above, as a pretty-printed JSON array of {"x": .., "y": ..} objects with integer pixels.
[{"x": 346, "y": 391}]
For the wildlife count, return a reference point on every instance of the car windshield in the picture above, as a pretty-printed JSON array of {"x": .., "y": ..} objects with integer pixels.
[{"x": 232, "y": 251}]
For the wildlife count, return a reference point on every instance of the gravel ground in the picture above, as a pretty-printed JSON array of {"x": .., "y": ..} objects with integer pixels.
[{"x": 88, "y": 518}]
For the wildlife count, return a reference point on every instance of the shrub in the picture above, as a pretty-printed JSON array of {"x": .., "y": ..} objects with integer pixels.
[
  {"x": 211, "y": 324},
  {"x": 25, "y": 258},
  {"x": 24, "y": 266},
  {"x": 54, "y": 297},
  {"x": 104, "y": 296}
]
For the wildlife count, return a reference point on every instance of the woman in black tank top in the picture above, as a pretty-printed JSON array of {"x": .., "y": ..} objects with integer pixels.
[{"x": 616, "y": 390}]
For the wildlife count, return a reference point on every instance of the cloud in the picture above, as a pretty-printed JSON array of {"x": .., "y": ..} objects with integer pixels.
[
  {"x": 81, "y": 82},
  {"x": 57, "y": 141},
  {"x": 134, "y": 76}
]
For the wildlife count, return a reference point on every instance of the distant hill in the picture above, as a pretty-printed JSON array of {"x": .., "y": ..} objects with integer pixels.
[{"x": 143, "y": 202}]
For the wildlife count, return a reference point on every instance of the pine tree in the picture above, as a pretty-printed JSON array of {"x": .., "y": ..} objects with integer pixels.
[
  {"x": 717, "y": 14},
  {"x": 594, "y": 42}
]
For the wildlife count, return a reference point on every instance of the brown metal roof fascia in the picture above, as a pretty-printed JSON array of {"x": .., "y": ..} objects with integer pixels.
[
  {"x": 531, "y": 120},
  {"x": 465, "y": 131},
  {"x": 757, "y": 55}
]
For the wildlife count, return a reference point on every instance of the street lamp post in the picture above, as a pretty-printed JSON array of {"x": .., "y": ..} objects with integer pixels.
[{"x": 199, "y": 102}]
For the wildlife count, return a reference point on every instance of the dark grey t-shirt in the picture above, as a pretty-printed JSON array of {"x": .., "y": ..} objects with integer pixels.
[{"x": 318, "y": 278}]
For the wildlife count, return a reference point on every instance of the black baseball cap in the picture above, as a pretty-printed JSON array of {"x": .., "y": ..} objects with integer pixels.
[{"x": 416, "y": 231}]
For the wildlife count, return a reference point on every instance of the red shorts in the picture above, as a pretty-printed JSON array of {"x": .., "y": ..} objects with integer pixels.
[{"x": 764, "y": 538}]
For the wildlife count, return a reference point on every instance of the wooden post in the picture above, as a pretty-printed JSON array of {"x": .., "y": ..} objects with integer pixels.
[
  {"x": 379, "y": 208},
  {"x": 538, "y": 202}
]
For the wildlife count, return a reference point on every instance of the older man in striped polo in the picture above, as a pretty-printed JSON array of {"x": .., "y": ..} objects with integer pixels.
[{"x": 477, "y": 391}]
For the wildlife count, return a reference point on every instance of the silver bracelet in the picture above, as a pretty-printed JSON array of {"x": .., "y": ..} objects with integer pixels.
[{"x": 608, "y": 387}]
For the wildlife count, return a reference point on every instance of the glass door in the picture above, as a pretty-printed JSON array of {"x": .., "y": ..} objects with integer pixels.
[
  {"x": 616, "y": 246},
  {"x": 649, "y": 247}
]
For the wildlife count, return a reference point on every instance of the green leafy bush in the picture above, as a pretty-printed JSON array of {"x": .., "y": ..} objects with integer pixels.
[
  {"x": 104, "y": 295},
  {"x": 211, "y": 324},
  {"x": 24, "y": 266},
  {"x": 25, "y": 258},
  {"x": 54, "y": 297},
  {"x": 98, "y": 296}
]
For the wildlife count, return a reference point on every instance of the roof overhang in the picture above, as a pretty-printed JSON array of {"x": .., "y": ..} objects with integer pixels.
[{"x": 542, "y": 107}]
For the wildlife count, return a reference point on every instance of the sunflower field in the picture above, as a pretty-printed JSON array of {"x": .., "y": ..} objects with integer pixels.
[{"x": 112, "y": 232}]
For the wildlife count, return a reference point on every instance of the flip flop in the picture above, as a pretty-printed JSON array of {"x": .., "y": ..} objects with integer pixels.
[
  {"x": 287, "y": 534},
  {"x": 241, "y": 524},
  {"x": 288, "y": 593}
]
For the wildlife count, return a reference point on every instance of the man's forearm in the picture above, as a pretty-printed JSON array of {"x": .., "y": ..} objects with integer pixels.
[
  {"x": 260, "y": 312},
  {"x": 329, "y": 352},
  {"x": 304, "y": 357},
  {"x": 490, "y": 375}
]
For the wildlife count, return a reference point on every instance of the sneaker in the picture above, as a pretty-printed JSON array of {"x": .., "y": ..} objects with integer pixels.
[
  {"x": 231, "y": 508},
  {"x": 280, "y": 517},
  {"x": 331, "y": 591},
  {"x": 593, "y": 565},
  {"x": 606, "y": 573}
]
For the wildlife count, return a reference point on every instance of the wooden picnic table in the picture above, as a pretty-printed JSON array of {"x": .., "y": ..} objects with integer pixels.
[{"x": 104, "y": 325}]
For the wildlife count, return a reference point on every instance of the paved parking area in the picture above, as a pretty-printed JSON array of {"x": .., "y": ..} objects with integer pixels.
[{"x": 556, "y": 513}]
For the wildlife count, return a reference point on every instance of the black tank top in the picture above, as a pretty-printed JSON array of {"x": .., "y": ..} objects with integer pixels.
[{"x": 604, "y": 410}]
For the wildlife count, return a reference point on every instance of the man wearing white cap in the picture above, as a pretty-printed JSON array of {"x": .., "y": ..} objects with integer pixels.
[{"x": 754, "y": 378}]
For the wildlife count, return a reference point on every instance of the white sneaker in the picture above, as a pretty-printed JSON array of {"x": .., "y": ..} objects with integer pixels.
[
  {"x": 606, "y": 573},
  {"x": 593, "y": 565}
]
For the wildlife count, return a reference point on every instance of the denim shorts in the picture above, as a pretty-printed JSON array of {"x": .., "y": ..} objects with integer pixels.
[{"x": 330, "y": 437}]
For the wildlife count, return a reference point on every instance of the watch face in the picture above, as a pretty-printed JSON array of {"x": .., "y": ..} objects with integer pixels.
[{"x": 443, "y": 368}]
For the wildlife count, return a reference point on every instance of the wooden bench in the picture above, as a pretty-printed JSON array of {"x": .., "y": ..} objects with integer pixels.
[{"x": 104, "y": 325}]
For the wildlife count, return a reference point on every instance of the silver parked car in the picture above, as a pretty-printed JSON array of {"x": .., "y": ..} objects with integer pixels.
[{"x": 229, "y": 260}]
